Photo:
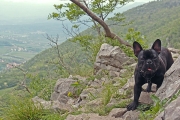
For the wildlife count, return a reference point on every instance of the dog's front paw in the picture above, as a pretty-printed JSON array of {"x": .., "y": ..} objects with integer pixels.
[{"x": 132, "y": 106}]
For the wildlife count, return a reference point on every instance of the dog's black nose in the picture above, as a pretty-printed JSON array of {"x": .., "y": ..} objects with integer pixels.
[{"x": 149, "y": 62}]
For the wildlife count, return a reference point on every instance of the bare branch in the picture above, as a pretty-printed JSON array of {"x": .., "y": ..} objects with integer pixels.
[
  {"x": 101, "y": 14},
  {"x": 94, "y": 22},
  {"x": 67, "y": 30},
  {"x": 108, "y": 32},
  {"x": 23, "y": 82},
  {"x": 109, "y": 11},
  {"x": 61, "y": 60}
]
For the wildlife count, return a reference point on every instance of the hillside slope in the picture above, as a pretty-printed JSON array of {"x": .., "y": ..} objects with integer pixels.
[
  {"x": 46, "y": 64},
  {"x": 156, "y": 19}
]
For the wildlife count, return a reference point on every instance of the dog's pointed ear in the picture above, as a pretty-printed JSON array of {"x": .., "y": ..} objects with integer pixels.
[
  {"x": 137, "y": 48},
  {"x": 157, "y": 46}
]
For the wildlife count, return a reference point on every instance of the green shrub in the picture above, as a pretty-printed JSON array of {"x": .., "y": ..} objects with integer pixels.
[
  {"x": 79, "y": 87},
  {"x": 150, "y": 112},
  {"x": 41, "y": 87},
  {"x": 25, "y": 109}
]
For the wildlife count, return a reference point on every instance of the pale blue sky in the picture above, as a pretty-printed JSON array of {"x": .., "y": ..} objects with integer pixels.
[
  {"x": 22, "y": 10},
  {"x": 55, "y": 1}
]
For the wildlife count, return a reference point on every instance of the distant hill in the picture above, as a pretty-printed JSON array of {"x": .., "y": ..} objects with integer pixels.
[{"x": 156, "y": 19}]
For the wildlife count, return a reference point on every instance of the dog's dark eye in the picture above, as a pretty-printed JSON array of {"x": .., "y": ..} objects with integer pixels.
[
  {"x": 142, "y": 59},
  {"x": 154, "y": 57}
]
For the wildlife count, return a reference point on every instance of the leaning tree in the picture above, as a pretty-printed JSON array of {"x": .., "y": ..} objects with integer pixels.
[{"x": 92, "y": 13}]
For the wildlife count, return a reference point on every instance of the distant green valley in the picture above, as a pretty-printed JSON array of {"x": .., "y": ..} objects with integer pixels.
[{"x": 19, "y": 43}]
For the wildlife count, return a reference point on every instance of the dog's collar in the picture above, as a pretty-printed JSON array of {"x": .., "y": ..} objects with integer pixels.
[{"x": 148, "y": 80}]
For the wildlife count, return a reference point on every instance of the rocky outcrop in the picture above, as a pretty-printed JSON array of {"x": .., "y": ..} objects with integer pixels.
[
  {"x": 169, "y": 88},
  {"x": 90, "y": 116},
  {"x": 61, "y": 90},
  {"x": 175, "y": 53},
  {"x": 171, "y": 112},
  {"x": 112, "y": 59},
  {"x": 171, "y": 83},
  {"x": 61, "y": 99},
  {"x": 39, "y": 101},
  {"x": 115, "y": 114}
]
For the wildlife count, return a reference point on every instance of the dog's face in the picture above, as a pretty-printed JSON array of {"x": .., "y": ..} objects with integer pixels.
[{"x": 148, "y": 60}]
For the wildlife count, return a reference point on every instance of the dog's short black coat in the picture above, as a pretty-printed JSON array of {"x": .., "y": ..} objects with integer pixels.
[{"x": 151, "y": 67}]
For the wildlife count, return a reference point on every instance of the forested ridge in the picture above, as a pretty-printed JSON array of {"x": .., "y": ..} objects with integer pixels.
[{"x": 156, "y": 20}]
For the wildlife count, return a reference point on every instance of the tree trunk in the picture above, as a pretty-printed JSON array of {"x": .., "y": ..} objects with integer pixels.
[{"x": 108, "y": 32}]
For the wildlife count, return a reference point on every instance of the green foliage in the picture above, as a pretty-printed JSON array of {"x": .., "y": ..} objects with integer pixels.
[
  {"x": 72, "y": 12},
  {"x": 91, "y": 96},
  {"x": 84, "y": 41},
  {"x": 76, "y": 112},
  {"x": 93, "y": 44},
  {"x": 107, "y": 95},
  {"x": 150, "y": 112},
  {"x": 133, "y": 35},
  {"x": 156, "y": 20},
  {"x": 101, "y": 8},
  {"x": 68, "y": 10},
  {"x": 126, "y": 94},
  {"x": 10, "y": 78},
  {"x": 119, "y": 17},
  {"x": 41, "y": 87},
  {"x": 79, "y": 86},
  {"x": 25, "y": 109}
]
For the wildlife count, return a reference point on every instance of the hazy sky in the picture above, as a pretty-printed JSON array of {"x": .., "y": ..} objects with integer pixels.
[
  {"x": 22, "y": 10},
  {"x": 55, "y": 1},
  {"x": 35, "y": 1}
]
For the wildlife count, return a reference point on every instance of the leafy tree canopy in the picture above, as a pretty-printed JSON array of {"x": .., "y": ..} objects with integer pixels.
[{"x": 96, "y": 12}]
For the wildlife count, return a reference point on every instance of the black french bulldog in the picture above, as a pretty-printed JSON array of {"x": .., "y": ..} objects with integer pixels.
[{"x": 151, "y": 67}]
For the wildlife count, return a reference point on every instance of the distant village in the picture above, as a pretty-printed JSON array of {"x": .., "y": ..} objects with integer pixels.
[
  {"x": 7, "y": 37},
  {"x": 11, "y": 65}
]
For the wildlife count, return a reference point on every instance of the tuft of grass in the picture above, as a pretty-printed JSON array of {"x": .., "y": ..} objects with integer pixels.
[
  {"x": 126, "y": 94},
  {"x": 79, "y": 85},
  {"x": 76, "y": 112},
  {"x": 150, "y": 112},
  {"x": 107, "y": 94},
  {"x": 25, "y": 109}
]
